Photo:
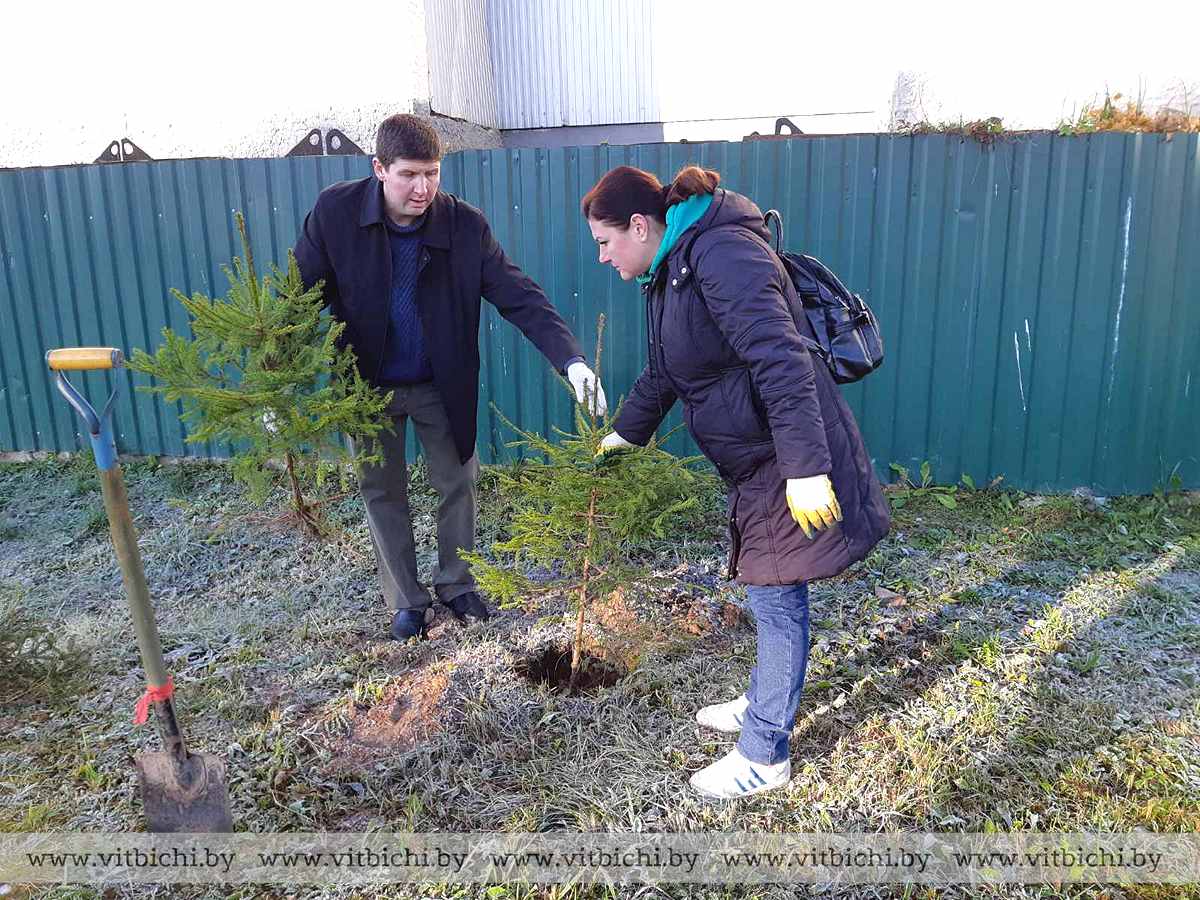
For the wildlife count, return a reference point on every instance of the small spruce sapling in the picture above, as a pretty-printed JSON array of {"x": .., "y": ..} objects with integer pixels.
[
  {"x": 264, "y": 370},
  {"x": 579, "y": 515}
]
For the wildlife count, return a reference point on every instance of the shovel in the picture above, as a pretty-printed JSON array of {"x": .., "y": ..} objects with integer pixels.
[{"x": 181, "y": 791}]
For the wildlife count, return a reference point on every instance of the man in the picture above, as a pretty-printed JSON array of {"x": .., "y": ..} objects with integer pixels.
[{"x": 404, "y": 267}]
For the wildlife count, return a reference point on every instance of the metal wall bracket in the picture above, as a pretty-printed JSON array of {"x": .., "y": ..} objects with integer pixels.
[
  {"x": 781, "y": 123},
  {"x": 335, "y": 143},
  {"x": 309, "y": 146},
  {"x": 123, "y": 150}
]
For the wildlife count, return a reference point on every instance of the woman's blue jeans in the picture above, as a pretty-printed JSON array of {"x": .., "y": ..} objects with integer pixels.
[{"x": 777, "y": 681}]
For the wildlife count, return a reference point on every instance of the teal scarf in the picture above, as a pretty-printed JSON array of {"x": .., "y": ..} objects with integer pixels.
[{"x": 680, "y": 218}]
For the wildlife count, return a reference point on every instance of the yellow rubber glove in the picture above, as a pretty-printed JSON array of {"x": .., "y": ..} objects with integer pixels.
[{"x": 813, "y": 503}]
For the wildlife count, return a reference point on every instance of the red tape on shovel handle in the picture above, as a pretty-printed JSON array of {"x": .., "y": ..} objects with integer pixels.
[{"x": 153, "y": 695}]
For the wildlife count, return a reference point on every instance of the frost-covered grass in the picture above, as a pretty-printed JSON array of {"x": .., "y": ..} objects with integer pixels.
[{"x": 1014, "y": 663}]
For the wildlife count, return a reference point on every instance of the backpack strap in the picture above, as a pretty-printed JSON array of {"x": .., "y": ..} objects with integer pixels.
[
  {"x": 813, "y": 346},
  {"x": 773, "y": 215}
]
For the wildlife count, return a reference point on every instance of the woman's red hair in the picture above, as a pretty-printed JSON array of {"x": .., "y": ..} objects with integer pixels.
[{"x": 626, "y": 191}]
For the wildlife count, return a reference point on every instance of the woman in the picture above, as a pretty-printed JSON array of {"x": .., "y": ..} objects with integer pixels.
[{"x": 804, "y": 502}]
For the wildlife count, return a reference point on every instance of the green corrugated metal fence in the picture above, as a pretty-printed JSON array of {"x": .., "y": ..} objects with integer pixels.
[{"x": 1040, "y": 296}]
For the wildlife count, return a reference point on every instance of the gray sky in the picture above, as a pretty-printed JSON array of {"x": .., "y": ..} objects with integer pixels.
[{"x": 222, "y": 65}]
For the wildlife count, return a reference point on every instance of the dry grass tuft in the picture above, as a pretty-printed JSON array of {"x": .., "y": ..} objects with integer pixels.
[{"x": 1119, "y": 113}]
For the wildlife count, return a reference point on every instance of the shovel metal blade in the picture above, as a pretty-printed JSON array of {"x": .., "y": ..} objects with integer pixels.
[{"x": 184, "y": 796}]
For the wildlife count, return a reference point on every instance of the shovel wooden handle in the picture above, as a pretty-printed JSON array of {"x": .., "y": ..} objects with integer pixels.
[
  {"x": 78, "y": 359},
  {"x": 124, "y": 538}
]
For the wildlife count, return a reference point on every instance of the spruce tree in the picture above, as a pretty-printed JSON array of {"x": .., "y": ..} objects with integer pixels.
[
  {"x": 263, "y": 370},
  {"x": 580, "y": 515}
]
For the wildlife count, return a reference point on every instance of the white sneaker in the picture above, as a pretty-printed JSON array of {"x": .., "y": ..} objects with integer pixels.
[
  {"x": 734, "y": 776},
  {"x": 725, "y": 717}
]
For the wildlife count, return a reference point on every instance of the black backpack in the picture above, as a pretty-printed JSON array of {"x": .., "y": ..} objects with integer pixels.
[{"x": 845, "y": 329}]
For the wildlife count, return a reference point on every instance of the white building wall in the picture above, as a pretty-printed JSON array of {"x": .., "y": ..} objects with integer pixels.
[
  {"x": 573, "y": 62},
  {"x": 461, "y": 80}
]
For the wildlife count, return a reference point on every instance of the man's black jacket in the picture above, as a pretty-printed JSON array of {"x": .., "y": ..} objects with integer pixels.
[{"x": 344, "y": 242}]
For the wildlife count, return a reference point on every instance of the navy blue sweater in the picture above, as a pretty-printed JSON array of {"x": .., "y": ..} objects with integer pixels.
[{"x": 405, "y": 360}]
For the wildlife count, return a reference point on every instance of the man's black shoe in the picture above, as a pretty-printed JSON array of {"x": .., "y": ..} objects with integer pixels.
[
  {"x": 468, "y": 608},
  {"x": 407, "y": 623}
]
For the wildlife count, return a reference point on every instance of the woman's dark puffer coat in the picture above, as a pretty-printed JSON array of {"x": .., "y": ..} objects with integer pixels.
[{"x": 759, "y": 406}]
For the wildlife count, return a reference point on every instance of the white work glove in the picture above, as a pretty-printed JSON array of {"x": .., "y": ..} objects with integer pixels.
[
  {"x": 612, "y": 441},
  {"x": 813, "y": 503},
  {"x": 587, "y": 387}
]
